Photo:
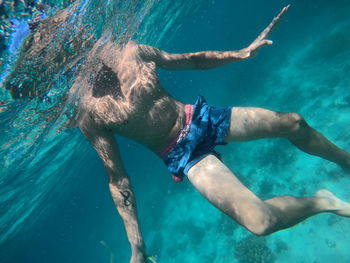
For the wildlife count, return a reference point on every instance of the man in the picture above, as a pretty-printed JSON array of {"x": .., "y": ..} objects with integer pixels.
[
  {"x": 127, "y": 99},
  {"x": 120, "y": 94}
]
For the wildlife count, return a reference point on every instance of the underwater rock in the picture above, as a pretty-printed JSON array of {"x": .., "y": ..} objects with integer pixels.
[
  {"x": 332, "y": 220},
  {"x": 176, "y": 248},
  {"x": 253, "y": 249},
  {"x": 281, "y": 246},
  {"x": 278, "y": 155},
  {"x": 194, "y": 233},
  {"x": 265, "y": 188},
  {"x": 331, "y": 243},
  {"x": 336, "y": 174},
  {"x": 347, "y": 99}
]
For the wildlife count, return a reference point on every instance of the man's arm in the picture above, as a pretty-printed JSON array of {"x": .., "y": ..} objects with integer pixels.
[
  {"x": 119, "y": 185},
  {"x": 208, "y": 59}
]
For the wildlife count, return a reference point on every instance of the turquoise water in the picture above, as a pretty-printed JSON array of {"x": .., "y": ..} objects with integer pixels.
[{"x": 54, "y": 200}]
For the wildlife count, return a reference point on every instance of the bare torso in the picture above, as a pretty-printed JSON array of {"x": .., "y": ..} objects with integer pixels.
[{"x": 127, "y": 99}]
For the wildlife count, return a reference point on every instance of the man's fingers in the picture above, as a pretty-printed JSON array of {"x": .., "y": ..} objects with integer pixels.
[
  {"x": 274, "y": 22},
  {"x": 262, "y": 40},
  {"x": 267, "y": 42},
  {"x": 253, "y": 49},
  {"x": 263, "y": 43},
  {"x": 279, "y": 16},
  {"x": 283, "y": 11}
]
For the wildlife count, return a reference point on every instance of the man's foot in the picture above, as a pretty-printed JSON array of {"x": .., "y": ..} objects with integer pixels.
[{"x": 333, "y": 203}]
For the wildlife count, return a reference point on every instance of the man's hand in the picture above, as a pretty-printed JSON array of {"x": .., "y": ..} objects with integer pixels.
[{"x": 262, "y": 39}]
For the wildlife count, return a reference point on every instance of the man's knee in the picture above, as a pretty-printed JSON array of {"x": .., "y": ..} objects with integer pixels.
[
  {"x": 262, "y": 228},
  {"x": 263, "y": 223},
  {"x": 292, "y": 125}
]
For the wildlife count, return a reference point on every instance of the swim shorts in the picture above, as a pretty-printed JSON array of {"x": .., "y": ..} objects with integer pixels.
[{"x": 205, "y": 127}]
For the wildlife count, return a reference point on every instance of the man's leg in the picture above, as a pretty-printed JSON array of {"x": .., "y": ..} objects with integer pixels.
[
  {"x": 222, "y": 188},
  {"x": 249, "y": 123}
]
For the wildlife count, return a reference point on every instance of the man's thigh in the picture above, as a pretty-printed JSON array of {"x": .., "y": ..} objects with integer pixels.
[
  {"x": 223, "y": 189},
  {"x": 250, "y": 123}
]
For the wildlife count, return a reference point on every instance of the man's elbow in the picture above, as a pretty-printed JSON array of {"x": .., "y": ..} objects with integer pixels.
[{"x": 199, "y": 61}]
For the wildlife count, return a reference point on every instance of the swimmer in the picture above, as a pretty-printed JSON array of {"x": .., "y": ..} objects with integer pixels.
[
  {"x": 121, "y": 94},
  {"x": 127, "y": 99}
]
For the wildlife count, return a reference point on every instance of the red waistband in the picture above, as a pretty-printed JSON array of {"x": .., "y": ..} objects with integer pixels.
[{"x": 184, "y": 131}]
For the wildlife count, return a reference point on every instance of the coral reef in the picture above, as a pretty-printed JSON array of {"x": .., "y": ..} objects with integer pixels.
[
  {"x": 253, "y": 249},
  {"x": 227, "y": 225}
]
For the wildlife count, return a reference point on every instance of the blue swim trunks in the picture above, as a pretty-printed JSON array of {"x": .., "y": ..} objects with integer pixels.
[{"x": 208, "y": 128}]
